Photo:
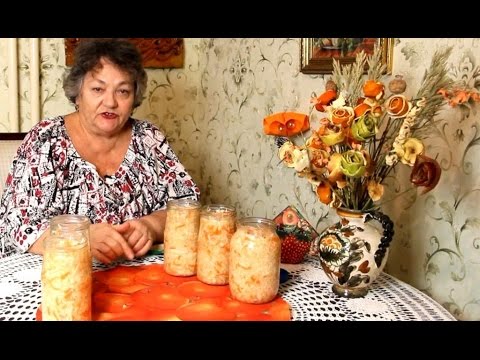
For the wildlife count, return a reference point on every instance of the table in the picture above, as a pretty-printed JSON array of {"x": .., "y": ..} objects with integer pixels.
[{"x": 308, "y": 291}]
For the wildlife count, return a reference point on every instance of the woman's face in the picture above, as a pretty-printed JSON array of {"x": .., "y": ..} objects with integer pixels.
[{"x": 105, "y": 101}]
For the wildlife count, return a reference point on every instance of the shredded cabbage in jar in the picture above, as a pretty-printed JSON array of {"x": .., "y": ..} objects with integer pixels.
[
  {"x": 214, "y": 248},
  {"x": 180, "y": 238},
  {"x": 254, "y": 264},
  {"x": 67, "y": 282}
]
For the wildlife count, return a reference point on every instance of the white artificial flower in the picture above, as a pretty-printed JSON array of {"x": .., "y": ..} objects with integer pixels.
[{"x": 300, "y": 159}]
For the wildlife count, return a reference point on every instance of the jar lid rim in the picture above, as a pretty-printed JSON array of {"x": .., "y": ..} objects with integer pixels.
[
  {"x": 256, "y": 220},
  {"x": 70, "y": 219},
  {"x": 187, "y": 203},
  {"x": 218, "y": 208}
]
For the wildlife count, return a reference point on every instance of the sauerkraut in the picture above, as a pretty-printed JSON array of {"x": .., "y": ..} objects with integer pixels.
[
  {"x": 180, "y": 237},
  {"x": 254, "y": 261},
  {"x": 67, "y": 281},
  {"x": 217, "y": 225}
]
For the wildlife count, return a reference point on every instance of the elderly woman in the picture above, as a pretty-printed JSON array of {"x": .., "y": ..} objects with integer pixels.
[{"x": 97, "y": 161}]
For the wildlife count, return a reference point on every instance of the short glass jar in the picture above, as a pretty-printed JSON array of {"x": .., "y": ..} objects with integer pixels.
[
  {"x": 67, "y": 270},
  {"x": 254, "y": 272},
  {"x": 180, "y": 237},
  {"x": 217, "y": 225}
]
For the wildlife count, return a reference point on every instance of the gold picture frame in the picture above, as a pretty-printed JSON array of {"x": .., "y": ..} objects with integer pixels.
[
  {"x": 317, "y": 54},
  {"x": 156, "y": 52}
]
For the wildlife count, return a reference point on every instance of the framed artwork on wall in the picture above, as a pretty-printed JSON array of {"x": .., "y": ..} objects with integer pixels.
[
  {"x": 317, "y": 54},
  {"x": 156, "y": 52}
]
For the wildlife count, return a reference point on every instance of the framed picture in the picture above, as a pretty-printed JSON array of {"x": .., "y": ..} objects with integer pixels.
[
  {"x": 156, "y": 52},
  {"x": 317, "y": 54}
]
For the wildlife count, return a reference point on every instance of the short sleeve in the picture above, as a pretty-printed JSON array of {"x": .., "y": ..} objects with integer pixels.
[{"x": 30, "y": 197}]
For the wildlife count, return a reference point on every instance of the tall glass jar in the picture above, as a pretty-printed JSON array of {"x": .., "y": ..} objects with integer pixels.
[
  {"x": 254, "y": 261},
  {"x": 67, "y": 270},
  {"x": 180, "y": 237},
  {"x": 217, "y": 225}
]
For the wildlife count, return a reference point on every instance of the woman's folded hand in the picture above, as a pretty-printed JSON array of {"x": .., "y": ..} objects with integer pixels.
[{"x": 108, "y": 242}]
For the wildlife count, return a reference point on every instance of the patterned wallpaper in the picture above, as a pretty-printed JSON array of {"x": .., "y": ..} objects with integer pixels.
[{"x": 212, "y": 111}]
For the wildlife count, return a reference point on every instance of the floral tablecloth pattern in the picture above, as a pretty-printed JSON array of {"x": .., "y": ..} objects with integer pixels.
[{"x": 307, "y": 290}]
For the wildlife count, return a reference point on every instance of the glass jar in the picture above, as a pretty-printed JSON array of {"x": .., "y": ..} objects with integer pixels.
[
  {"x": 217, "y": 225},
  {"x": 254, "y": 272},
  {"x": 180, "y": 237},
  {"x": 67, "y": 270}
]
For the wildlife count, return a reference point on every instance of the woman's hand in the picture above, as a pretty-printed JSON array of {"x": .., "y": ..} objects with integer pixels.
[
  {"x": 107, "y": 242},
  {"x": 139, "y": 236}
]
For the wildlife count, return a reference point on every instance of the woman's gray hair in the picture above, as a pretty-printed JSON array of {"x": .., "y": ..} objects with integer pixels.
[{"x": 120, "y": 52}]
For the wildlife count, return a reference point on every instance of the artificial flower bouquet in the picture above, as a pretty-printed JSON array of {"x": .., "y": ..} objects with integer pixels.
[{"x": 364, "y": 131}]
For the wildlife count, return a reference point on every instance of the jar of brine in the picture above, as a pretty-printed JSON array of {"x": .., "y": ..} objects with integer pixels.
[
  {"x": 254, "y": 272},
  {"x": 217, "y": 225},
  {"x": 67, "y": 270},
  {"x": 180, "y": 237}
]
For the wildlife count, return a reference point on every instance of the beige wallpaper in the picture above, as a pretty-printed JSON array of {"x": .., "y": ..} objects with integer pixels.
[{"x": 212, "y": 112}]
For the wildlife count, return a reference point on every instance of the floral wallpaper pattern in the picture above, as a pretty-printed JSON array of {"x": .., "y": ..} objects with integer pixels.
[{"x": 212, "y": 112}]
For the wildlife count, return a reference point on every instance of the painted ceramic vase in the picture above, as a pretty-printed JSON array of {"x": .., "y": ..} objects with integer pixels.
[{"x": 353, "y": 252}]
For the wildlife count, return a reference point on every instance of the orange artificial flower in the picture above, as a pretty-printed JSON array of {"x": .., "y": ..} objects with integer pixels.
[
  {"x": 324, "y": 193},
  {"x": 285, "y": 124},
  {"x": 342, "y": 116},
  {"x": 361, "y": 109},
  {"x": 373, "y": 89},
  {"x": 325, "y": 99},
  {"x": 398, "y": 106},
  {"x": 459, "y": 96}
]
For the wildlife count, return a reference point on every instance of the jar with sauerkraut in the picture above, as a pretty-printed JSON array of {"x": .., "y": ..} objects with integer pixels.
[
  {"x": 254, "y": 271},
  {"x": 180, "y": 237},
  {"x": 67, "y": 270},
  {"x": 217, "y": 225}
]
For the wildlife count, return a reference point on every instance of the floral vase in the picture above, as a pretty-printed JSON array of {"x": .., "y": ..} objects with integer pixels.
[{"x": 354, "y": 251}]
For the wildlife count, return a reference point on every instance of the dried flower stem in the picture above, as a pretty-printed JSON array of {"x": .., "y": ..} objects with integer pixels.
[
  {"x": 396, "y": 196},
  {"x": 375, "y": 66},
  {"x": 435, "y": 78},
  {"x": 349, "y": 78}
]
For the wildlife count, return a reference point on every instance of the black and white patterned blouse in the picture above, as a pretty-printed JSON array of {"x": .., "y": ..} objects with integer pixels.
[{"x": 48, "y": 178}]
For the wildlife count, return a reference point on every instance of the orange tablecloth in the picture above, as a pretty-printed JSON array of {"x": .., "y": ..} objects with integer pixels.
[{"x": 147, "y": 292}]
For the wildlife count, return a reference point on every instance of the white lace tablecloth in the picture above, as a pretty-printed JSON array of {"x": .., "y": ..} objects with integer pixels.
[{"x": 308, "y": 291}]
